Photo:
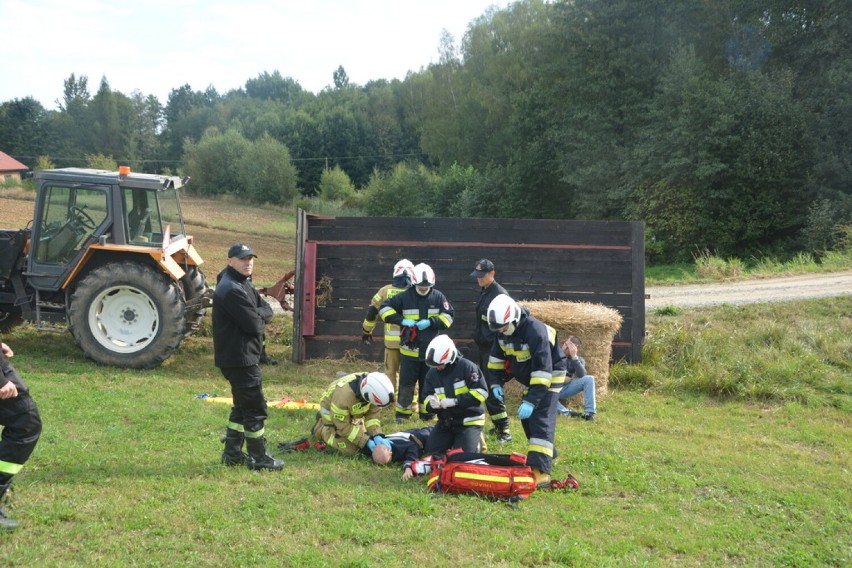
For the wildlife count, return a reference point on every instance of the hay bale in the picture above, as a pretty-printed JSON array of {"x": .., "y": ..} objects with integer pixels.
[{"x": 595, "y": 325}]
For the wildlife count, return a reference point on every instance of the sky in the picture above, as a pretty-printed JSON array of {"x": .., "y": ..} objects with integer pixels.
[{"x": 154, "y": 46}]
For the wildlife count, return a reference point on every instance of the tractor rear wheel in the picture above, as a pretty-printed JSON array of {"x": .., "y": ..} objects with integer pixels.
[
  {"x": 127, "y": 314},
  {"x": 194, "y": 287},
  {"x": 10, "y": 317}
]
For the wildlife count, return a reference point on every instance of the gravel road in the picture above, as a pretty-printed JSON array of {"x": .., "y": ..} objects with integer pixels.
[{"x": 751, "y": 291}]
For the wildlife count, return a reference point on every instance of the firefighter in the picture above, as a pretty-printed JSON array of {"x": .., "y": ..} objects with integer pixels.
[
  {"x": 403, "y": 274},
  {"x": 489, "y": 289},
  {"x": 454, "y": 389},
  {"x": 239, "y": 320},
  {"x": 526, "y": 350},
  {"x": 21, "y": 423},
  {"x": 422, "y": 311},
  {"x": 348, "y": 419}
]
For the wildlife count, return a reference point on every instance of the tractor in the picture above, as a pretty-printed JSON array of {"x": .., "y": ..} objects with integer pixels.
[{"x": 106, "y": 254}]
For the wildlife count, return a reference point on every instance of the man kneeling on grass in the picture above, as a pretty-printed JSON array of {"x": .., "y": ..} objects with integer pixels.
[{"x": 348, "y": 419}]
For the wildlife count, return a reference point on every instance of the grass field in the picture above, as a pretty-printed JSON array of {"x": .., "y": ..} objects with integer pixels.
[{"x": 726, "y": 447}]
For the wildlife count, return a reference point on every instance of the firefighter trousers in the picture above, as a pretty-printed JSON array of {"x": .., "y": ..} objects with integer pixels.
[
  {"x": 249, "y": 409},
  {"x": 21, "y": 423},
  {"x": 540, "y": 429},
  {"x": 412, "y": 372}
]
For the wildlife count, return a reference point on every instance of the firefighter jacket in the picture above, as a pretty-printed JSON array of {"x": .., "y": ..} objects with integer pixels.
[
  {"x": 484, "y": 337},
  {"x": 240, "y": 316},
  {"x": 343, "y": 410},
  {"x": 369, "y": 324},
  {"x": 410, "y": 305},
  {"x": 464, "y": 382},
  {"x": 531, "y": 356}
]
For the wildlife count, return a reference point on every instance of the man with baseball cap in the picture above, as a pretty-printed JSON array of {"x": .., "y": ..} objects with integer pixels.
[
  {"x": 484, "y": 272},
  {"x": 240, "y": 316}
]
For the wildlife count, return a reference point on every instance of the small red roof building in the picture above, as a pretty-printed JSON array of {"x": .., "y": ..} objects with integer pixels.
[{"x": 10, "y": 168}]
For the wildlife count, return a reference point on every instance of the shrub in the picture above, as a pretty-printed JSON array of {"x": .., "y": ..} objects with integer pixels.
[
  {"x": 710, "y": 266},
  {"x": 335, "y": 185}
]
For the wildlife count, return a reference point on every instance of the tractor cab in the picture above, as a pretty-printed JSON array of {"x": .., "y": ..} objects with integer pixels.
[{"x": 107, "y": 254}]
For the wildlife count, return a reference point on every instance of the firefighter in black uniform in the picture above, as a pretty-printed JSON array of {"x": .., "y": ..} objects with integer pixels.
[
  {"x": 526, "y": 350},
  {"x": 421, "y": 311},
  {"x": 484, "y": 339},
  {"x": 455, "y": 389},
  {"x": 239, "y": 320},
  {"x": 21, "y": 423}
]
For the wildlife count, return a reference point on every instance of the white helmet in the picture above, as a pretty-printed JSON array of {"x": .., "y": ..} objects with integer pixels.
[
  {"x": 404, "y": 268},
  {"x": 424, "y": 278},
  {"x": 377, "y": 389},
  {"x": 441, "y": 351},
  {"x": 503, "y": 311}
]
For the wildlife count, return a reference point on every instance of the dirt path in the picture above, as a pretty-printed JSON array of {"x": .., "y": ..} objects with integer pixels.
[{"x": 751, "y": 291}]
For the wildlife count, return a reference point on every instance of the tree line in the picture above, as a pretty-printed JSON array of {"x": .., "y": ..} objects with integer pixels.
[{"x": 722, "y": 125}]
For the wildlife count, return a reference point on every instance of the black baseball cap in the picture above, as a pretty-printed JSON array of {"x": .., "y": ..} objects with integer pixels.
[
  {"x": 241, "y": 251},
  {"x": 482, "y": 268}
]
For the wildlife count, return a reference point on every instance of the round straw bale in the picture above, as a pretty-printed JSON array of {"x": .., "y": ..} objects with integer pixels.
[{"x": 595, "y": 325}]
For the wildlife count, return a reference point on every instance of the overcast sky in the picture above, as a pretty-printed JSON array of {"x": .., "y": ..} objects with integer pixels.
[{"x": 154, "y": 46}]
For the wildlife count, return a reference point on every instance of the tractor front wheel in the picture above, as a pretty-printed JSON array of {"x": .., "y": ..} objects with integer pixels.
[{"x": 127, "y": 314}]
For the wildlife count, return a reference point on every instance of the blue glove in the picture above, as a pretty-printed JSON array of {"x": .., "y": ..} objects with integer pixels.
[
  {"x": 371, "y": 445},
  {"x": 525, "y": 410},
  {"x": 423, "y": 324},
  {"x": 498, "y": 393},
  {"x": 407, "y": 323},
  {"x": 381, "y": 440}
]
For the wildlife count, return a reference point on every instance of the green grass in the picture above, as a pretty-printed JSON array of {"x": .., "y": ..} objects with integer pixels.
[
  {"x": 778, "y": 352},
  {"x": 709, "y": 268},
  {"x": 127, "y": 472}
]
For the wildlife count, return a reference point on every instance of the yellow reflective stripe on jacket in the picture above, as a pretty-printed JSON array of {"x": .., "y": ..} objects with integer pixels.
[
  {"x": 551, "y": 334},
  {"x": 386, "y": 312},
  {"x": 339, "y": 413},
  {"x": 479, "y": 394},
  {"x": 475, "y": 420},
  {"x": 409, "y": 352},
  {"x": 354, "y": 433},
  {"x": 522, "y": 354},
  {"x": 557, "y": 381},
  {"x": 540, "y": 378},
  {"x": 368, "y": 325},
  {"x": 495, "y": 364},
  {"x": 372, "y": 423}
]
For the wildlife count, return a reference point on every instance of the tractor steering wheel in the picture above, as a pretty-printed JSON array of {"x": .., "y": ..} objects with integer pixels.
[{"x": 83, "y": 218}]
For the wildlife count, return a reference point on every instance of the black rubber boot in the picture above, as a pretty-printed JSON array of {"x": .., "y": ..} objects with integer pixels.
[
  {"x": 233, "y": 453},
  {"x": 258, "y": 456},
  {"x": 501, "y": 430},
  {"x": 6, "y": 524}
]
